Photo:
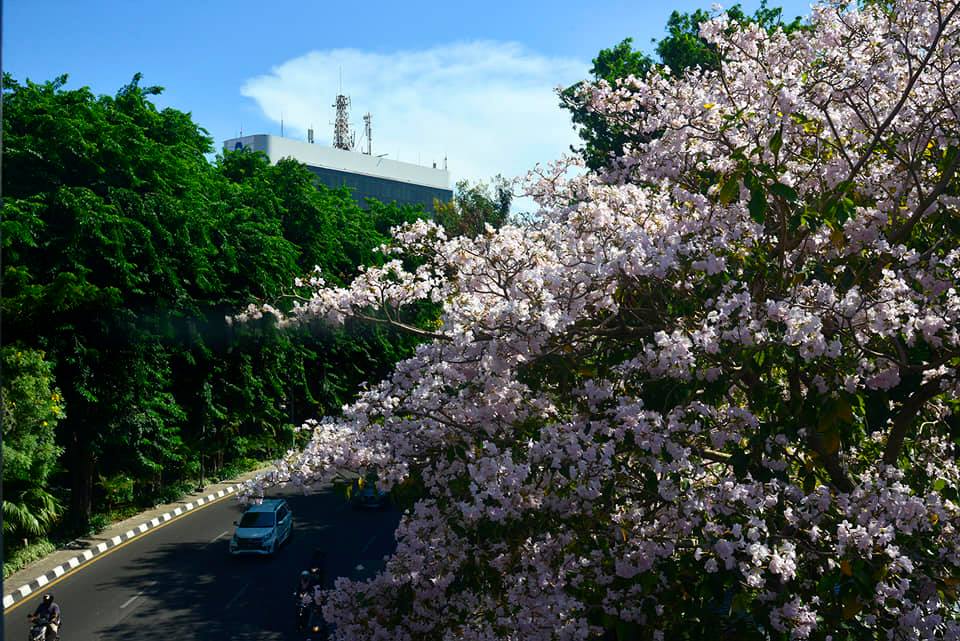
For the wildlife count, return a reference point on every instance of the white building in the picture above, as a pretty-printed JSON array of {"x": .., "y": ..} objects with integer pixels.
[{"x": 366, "y": 175}]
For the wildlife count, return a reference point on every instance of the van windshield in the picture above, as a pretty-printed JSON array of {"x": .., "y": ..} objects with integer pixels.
[{"x": 257, "y": 519}]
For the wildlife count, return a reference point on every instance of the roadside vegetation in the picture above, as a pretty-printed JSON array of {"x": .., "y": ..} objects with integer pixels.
[{"x": 124, "y": 250}]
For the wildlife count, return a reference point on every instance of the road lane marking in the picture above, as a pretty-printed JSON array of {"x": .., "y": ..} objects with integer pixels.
[
  {"x": 217, "y": 537},
  {"x": 131, "y": 600},
  {"x": 25, "y": 590},
  {"x": 236, "y": 596},
  {"x": 372, "y": 538}
]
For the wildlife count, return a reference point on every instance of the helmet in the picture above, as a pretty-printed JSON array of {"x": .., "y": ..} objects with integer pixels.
[
  {"x": 305, "y": 574},
  {"x": 48, "y": 598}
]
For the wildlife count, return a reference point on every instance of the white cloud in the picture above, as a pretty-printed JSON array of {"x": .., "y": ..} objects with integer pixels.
[{"x": 489, "y": 107}]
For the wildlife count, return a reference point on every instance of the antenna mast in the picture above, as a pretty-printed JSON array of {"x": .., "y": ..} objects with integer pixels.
[
  {"x": 343, "y": 138},
  {"x": 367, "y": 133}
]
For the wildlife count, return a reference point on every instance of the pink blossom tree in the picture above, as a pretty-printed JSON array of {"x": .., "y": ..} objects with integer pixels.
[{"x": 711, "y": 390}]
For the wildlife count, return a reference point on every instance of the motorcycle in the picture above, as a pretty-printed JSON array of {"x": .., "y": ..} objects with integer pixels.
[
  {"x": 304, "y": 604},
  {"x": 38, "y": 629},
  {"x": 317, "y": 628}
]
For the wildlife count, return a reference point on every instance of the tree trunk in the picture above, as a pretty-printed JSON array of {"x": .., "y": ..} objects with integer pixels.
[{"x": 81, "y": 494}]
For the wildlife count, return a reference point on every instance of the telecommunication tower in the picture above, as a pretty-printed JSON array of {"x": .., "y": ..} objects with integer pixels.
[
  {"x": 367, "y": 133},
  {"x": 343, "y": 138}
]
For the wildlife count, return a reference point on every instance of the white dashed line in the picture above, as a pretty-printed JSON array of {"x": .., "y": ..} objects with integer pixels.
[
  {"x": 131, "y": 600},
  {"x": 217, "y": 537}
]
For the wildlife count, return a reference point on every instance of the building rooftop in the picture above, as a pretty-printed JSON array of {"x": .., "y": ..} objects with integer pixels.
[{"x": 354, "y": 162}]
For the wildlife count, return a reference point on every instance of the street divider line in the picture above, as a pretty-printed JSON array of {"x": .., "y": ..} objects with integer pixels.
[
  {"x": 131, "y": 600},
  {"x": 19, "y": 594}
]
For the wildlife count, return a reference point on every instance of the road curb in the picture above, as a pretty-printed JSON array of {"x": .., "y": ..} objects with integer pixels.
[{"x": 91, "y": 553}]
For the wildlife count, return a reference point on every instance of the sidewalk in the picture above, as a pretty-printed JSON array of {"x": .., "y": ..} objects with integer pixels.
[{"x": 32, "y": 578}]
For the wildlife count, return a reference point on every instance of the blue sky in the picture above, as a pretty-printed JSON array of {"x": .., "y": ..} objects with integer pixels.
[{"x": 471, "y": 81}]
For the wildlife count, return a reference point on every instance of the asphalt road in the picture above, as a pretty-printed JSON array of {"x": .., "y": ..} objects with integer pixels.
[{"x": 179, "y": 582}]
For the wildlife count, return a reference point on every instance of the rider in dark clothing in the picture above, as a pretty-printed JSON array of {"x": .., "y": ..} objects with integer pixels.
[
  {"x": 305, "y": 584},
  {"x": 50, "y": 611}
]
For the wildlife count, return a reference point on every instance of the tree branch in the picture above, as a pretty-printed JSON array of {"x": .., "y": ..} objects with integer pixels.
[
  {"x": 407, "y": 328},
  {"x": 903, "y": 99},
  {"x": 901, "y": 234},
  {"x": 904, "y": 418}
]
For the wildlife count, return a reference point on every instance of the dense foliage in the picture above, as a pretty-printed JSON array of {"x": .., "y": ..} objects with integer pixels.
[
  {"x": 712, "y": 392},
  {"x": 124, "y": 251},
  {"x": 473, "y": 207},
  {"x": 31, "y": 406}
]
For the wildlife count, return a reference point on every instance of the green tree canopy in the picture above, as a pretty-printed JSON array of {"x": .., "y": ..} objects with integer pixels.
[
  {"x": 125, "y": 249},
  {"x": 473, "y": 207}
]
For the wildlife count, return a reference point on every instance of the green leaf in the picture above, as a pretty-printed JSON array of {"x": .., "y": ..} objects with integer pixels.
[
  {"x": 948, "y": 156},
  {"x": 758, "y": 199},
  {"x": 776, "y": 142},
  {"x": 729, "y": 190},
  {"x": 784, "y": 191}
]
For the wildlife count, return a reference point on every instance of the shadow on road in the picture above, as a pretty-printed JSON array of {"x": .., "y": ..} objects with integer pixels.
[{"x": 198, "y": 591}]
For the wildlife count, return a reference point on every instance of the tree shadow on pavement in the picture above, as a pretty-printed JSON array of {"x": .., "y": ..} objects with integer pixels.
[{"x": 198, "y": 591}]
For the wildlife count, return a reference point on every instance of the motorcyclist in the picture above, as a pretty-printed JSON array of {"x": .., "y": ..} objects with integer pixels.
[
  {"x": 48, "y": 611},
  {"x": 306, "y": 582},
  {"x": 304, "y": 598}
]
